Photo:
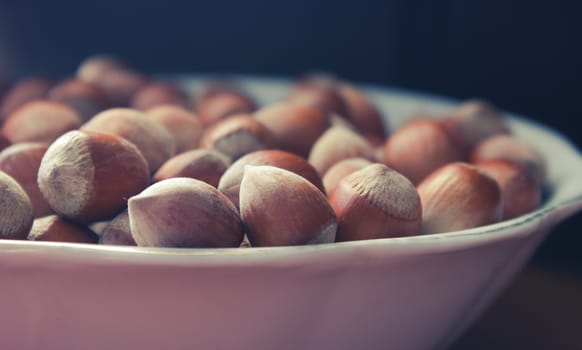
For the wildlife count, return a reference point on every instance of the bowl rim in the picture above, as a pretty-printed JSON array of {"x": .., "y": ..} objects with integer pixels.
[{"x": 430, "y": 243}]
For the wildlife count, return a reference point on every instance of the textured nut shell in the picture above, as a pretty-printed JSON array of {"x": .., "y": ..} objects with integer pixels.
[
  {"x": 152, "y": 139},
  {"x": 40, "y": 121},
  {"x": 295, "y": 127},
  {"x": 376, "y": 202},
  {"x": 53, "y": 228},
  {"x": 510, "y": 148},
  {"x": 459, "y": 196},
  {"x": 363, "y": 113},
  {"x": 21, "y": 161},
  {"x": 279, "y": 207},
  {"x": 118, "y": 231},
  {"x": 184, "y": 212},
  {"x": 520, "y": 190},
  {"x": 337, "y": 144},
  {"x": 238, "y": 135},
  {"x": 229, "y": 183},
  {"x": 202, "y": 164},
  {"x": 418, "y": 148},
  {"x": 342, "y": 169},
  {"x": 16, "y": 208},
  {"x": 184, "y": 126},
  {"x": 88, "y": 176}
]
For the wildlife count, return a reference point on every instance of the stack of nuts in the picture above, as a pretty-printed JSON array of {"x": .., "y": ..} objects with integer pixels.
[{"x": 116, "y": 157}]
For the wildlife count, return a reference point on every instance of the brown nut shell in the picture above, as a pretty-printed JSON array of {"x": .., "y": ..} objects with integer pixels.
[
  {"x": 222, "y": 105},
  {"x": 185, "y": 127},
  {"x": 229, "y": 183},
  {"x": 54, "y": 228},
  {"x": 337, "y": 144},
  {"x": 201, "y": 164},
  {"x": 342, "y": 169},
  {"x": 280, "y": 208},
  {"x": 155, "y": 94},
  {"x": 519, "y": 186},
  {"x": 40, "y": 121},
  {"x": 23, "y": 91},
  {"x": 418, "y": 148},
  {"x": 118, "y": 231},
  {"x": 295, "y": 127},
  {"x": 376, "y": 202},
  {"x": 459, "y": 196},
  {"x": 236, "y": 136},
  {"x": 363, "y": 113},
  {"x": 88, "y": 176},
  {"x": 152, "y": 139},
  {"x": 84, "y": 97},
  {"x": 16, "y": 208},
  {"x": 184, "y": 212},
  {"x": 22, "y": 161}
]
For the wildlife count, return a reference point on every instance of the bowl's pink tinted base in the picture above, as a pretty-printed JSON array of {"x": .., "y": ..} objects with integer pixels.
[{"x": 419, "y": 302}]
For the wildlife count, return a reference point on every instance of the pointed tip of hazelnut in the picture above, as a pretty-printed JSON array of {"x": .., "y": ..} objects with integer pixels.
[{"x": 279, "y": 207}]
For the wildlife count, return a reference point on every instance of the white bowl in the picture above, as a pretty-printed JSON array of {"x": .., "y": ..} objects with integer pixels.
[{"x": 404, "y": 293}]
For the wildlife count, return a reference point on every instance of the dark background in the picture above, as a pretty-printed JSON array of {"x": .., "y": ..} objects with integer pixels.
[{"x": 523, "y": 55}]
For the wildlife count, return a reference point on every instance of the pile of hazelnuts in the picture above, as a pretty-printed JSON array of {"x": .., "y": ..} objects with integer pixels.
[{"x": 114, "y": 156}]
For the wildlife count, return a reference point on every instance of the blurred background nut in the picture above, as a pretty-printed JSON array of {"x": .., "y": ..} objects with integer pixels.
[
  {"x": 118, "y": 231},
  {"x": 295, "y": 127},
  {"x": 419, "y": 147},
  {"x": 221, "y": 105},
  {"x": 21, "y": 161},
  {"x": 152, "y": 139},
  {"x": 86, "y": 98},
  {"x": 25, "y": 90},
  {"x": 363, "y": 113},
  {"x": 159, "y": 93},
  {"x": 202, "y": 164},
  {"x": 40, "y": 121},
  {"x": 185, "y": 126}
]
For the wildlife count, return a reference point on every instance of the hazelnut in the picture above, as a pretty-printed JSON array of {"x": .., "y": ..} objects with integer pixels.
[
  {"x": 152, "y": 139},
  {"x": 53, "y": 228},
  {"x": 222, "y": 105},
  {"x": 88, "y": 176},
  {"x": 472, "y": 122},
  {"x": 279, "y": 207},
  {"x": 514, "y": 149},
  {"x": 94, "y": 67},
  {"x": 119, "y": 85},
  {"x": 520, "y": 190},
  {"x": 155, "y": 94},
  {"x": 337, "y": 144},
  {"x": 202, "y": 164},
  {"x": 419, "y": 147},
  {"x": 118, "y": 231},
  {"x": 342, "y": 169},
  {"x": 459, "y": 196},
  {"x": 21, "y": 161},
  {"x": 229, "y": 183},
  {"x": 23, "y": 91},
  {"x": 321, "y": 95},
  {"x": 40, "y": 121},
  {"x": 375, "y": 202},
  {"x": 184, "y": 212},
  {"x": 295, "y": 127},
  {"x": 184, "y": 126},
  {"x": 16, "y": 208},
  {"x": 237, "y": 136},
  {"x": 363, "y": 113},
  {"x": 214, "y": 87},
  {"x": 84, "y": 97}
]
